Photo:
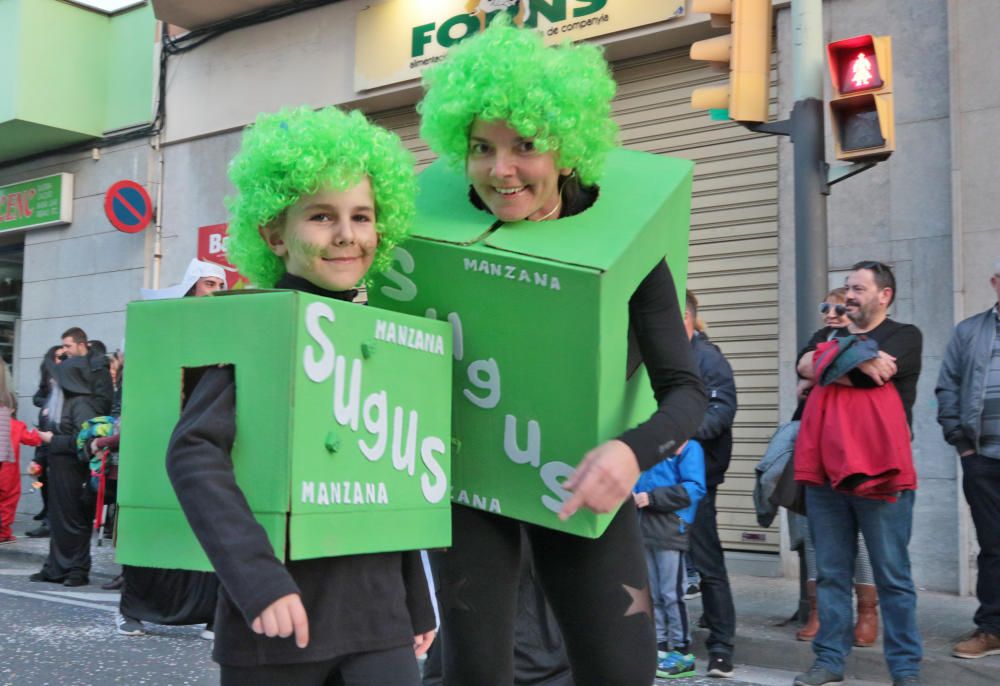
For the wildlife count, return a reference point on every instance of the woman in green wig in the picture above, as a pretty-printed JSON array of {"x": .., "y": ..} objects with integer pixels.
[{"x": 530, "y": 127}]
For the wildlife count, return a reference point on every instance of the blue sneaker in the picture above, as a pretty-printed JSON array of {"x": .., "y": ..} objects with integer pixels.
[{"x": 675, "y": 666}]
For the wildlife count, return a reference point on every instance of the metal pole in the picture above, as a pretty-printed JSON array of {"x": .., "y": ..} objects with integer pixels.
[
  {"x": 811, "y": 265},
  {"x": 811, "y": 262}
]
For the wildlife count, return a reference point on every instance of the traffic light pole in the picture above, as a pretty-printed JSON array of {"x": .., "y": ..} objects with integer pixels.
[
  {"x": 806, "y": 130},
  {"x": 811, "y": 189},
  {"x": 805, "y": 127}
]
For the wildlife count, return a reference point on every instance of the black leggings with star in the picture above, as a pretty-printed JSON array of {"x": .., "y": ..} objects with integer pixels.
[{"x": 597, "y": 588}]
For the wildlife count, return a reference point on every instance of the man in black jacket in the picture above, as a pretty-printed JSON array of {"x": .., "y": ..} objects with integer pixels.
[{"x": 716, "y": 437}]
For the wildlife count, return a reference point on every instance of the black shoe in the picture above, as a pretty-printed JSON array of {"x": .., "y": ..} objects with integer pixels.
[
  {"x": 42, "y": 576},
  {"x": 115, "y": 583},
  {"x": 41, "y": 532},
  {"x": 720, "y": 666},
  {"x": 41, "y": 515},
  {"x": 76, "y": 581}
]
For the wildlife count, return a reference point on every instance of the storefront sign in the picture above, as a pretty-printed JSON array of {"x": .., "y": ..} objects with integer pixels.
[
  {"x": 397, "y": 39},
  {"x": 212, "y": 248},
  {"x": 45, "y": 201},
  {"x": 128, "y": 206}
]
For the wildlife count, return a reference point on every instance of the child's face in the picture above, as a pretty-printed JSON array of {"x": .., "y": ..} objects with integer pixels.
[{"x": 328, "y": 238}]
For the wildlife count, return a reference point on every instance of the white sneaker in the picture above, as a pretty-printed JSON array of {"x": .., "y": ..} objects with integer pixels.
[{"x": 128, "y": 626}]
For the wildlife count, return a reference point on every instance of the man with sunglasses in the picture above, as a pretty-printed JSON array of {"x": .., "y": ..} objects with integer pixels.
[
  {"x": 835, "y": 516},
  {"x": 968, "y": 394}
]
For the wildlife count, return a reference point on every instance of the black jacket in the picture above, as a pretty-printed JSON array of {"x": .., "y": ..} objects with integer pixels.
[
  {"x": 75, "y": 379},
  {"x": 716, "y": 431}
]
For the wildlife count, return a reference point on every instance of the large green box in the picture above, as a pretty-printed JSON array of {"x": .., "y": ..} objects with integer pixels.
[
  {"x": 343, "y": 438},
  {"x": 540, "y": 313}
]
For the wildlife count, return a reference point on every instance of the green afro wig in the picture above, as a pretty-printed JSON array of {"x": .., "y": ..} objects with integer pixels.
[
  {"x": 293, "y": 153},
  {"x": 560, "y": 96}
]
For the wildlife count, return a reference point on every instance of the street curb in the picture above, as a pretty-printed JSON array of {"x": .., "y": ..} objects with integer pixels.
[{"x": 764, "y": 649}]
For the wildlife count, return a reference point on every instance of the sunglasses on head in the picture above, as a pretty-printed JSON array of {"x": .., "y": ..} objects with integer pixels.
[{"x": 839, "y": 309}]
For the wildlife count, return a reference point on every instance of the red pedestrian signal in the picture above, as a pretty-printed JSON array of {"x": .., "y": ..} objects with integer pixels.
[{"x": 861, "y": 110}]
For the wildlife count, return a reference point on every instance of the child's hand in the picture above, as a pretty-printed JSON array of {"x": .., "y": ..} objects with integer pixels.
[
  {"x": 46, "y": 437},
  {"x": 422, "y": 642},
  {"x": 34, "y": 469},
  {"x": 641, "y": 499},
  {"x": 94, "y": 448},
  {"x": 284, "y": 617}
]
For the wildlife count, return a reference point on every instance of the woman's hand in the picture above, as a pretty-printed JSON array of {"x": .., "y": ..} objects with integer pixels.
[
  {"x": 34, "y": 469},
  {"x": 284, "y": 617},
  {"x": 94, "y": 449},
  {"x": 422, "y": 642},
  {"x": 603, "y": 480}
]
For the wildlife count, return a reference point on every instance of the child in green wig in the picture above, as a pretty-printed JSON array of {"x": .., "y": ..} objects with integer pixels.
[{"x": 322, "y": 196}]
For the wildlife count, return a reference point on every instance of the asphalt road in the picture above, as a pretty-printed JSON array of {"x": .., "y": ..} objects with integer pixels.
[
  {"x": 56, "y": 636},
  {"x": 52, "y": 635}
]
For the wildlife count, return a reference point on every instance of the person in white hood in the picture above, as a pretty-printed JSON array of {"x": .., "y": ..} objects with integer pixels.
[{"x": 201, "y": 278}]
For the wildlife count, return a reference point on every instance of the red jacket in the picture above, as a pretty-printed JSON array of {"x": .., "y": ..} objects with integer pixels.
[
  {"x": 20, "y": 435},
  {"x": 855, "y": 439}
]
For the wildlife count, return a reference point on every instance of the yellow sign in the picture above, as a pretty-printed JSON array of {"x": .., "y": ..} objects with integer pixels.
[{"x": 397, "y": 39}]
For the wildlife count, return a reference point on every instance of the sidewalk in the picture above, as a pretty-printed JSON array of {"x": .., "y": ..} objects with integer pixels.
[{"x": 763, "y": 603}]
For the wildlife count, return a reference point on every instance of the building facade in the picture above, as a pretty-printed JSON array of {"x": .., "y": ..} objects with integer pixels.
[{"x": 925, "y": 211}]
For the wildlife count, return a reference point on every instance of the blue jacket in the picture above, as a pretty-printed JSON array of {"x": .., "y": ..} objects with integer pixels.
[{"x": 675, "y": 486}]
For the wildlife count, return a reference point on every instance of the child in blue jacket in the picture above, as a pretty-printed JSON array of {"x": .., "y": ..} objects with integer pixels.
[{"x": 667, "y": 496}]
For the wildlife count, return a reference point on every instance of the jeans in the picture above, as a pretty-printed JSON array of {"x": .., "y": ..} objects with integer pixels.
[
  {"x": 716, "y": 596},
  {"x": 666, "y": 583},
  {"x": 981, "y": 483},
  {"x": 834, "y": 521}
]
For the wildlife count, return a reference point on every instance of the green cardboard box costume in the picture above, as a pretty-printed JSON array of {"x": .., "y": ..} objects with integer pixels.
[
  {"x": 540, "y": 300},
  {"x": 343, "y": 437}
]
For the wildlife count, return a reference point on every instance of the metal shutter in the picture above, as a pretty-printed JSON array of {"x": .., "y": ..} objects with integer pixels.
[{"x": 734, "y": 248}]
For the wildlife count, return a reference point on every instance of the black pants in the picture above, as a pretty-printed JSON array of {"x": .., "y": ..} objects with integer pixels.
[
  {"x": 539, "y": 650},
  {"x": 716, "y": 596},
  {"x": 597, "y": 589},
  {"x": 981, "y": 483},
  {"x": 393, "y": 667},
  {"x": 70, "y": 511}
]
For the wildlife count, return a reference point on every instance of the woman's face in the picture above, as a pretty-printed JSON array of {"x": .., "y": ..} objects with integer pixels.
[
  {"x": 831, "y": 318},
  {"x": 513, "y": 179}
]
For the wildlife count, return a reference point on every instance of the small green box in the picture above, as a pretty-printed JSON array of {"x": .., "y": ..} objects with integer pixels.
[
  {"x": 343, "y": 416},
  {"x": 540, "y": 314}
]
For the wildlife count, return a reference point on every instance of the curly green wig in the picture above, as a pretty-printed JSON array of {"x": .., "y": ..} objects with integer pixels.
[
  {"x": 293, "y": 153},
  {"x": 560, "y": 96}
]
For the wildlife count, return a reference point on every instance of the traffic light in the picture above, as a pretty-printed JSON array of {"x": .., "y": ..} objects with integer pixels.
[
  {"x": 861, "y": 112},
  {"x": 745, "y": 52}
]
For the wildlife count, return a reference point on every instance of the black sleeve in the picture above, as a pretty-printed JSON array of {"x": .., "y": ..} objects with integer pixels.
[
  {"x": 199, "y": 463},
  {"x": 717, "y": 375},
  {"x": 103, "y": 390},
  {"x": 905, "y": 343},
  {"x": 418, "y": 592},
  {"x": 655, "y": 316},
  {"x": 669, "y": 498}
]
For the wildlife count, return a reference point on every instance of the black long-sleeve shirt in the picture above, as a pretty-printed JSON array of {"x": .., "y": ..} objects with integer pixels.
[
  {"x": 655, "y": 317},
  {"x": 355, "y": 603},
  {"x": 903, "y": 341}
]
